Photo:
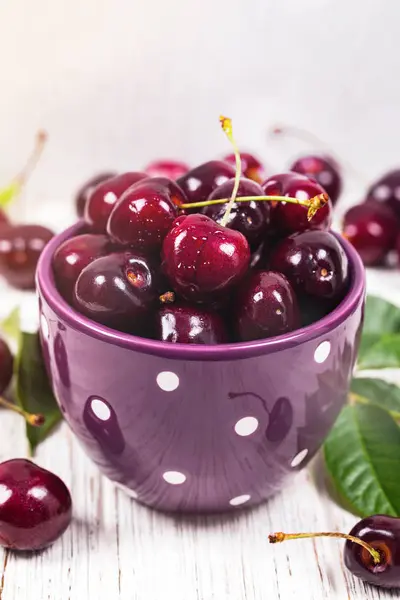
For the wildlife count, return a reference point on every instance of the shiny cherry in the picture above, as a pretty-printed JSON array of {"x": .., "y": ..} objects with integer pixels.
[
  {"x": 203, "y": 260},
  {"x": 314, "y": 262},
  {"x": 6, "y": 365},
  {"x": 292, "y": 218},
  {"x": 324, "y": 170},
  {"x": 382, "y": 533},
  {"x": 73, "y": 256},
  {"x": 198, "y": 183},
  {"x": 117, "y": 290},
  {"x": 185, "y": 324},
  {"x": 20, "y": 248},
  {"x": 143, "y": 216},
  {"x": 251, "y": 166},
  {"x": 387, "y": 191},
  {"x": 88, "y": 187},
  {"x": 167, "y": 168},
  {"x": 35, "y": 508},
  {"x": 265, "y": 306},
  {"x": 105, "y": 196},
  {"x": 250, "y": 218},
  {"x": 372, "y": 229}
]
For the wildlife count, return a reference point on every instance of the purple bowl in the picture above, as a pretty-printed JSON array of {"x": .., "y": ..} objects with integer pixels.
[{"x": 199, "y": 428}]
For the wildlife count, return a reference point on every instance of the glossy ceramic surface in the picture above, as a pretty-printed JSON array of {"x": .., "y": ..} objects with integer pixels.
[{"x": 199, "y": 429}]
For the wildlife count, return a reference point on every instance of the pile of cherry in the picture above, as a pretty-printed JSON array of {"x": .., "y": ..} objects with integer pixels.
[{"x": 170, "y": 260}]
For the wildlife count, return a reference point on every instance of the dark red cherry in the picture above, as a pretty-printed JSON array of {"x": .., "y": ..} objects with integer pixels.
[
  {"x": 6, "y": 366},
  {"x": 382, "y": 533},
  {"x": 20, "y": 248},
  {"x": 185, "y": 324},
  {"x": 265, "y": 306},
  {"x": 314, "y": 262},
  {"x": 372, "y": 229},
  {"x": 35, "y": 507},
  {"x": 251, "y": 166},
  {"x": 164, "y": 183},
  {"x": 291, "y": 218},
  {"x": 73, "y": 256},
  {"x": 143, "y": 216},
  {"x": 117, "y": 290},
  {"x": 88, "y": 187},
  {"x": 167, "y": 168},
  {"x": 203, "y": 260},
  {"x": 313, "y": 309},
  {"x": 198, "y": 183},
  {"x": 250, "y": 218},
  {"x": 105, "y": 196},
  {"x": 387, "y": 191},
  {"x": 324, "y": 170}
]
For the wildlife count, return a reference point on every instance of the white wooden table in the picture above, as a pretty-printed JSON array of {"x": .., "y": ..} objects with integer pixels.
[{"x": 117, "y": 549}]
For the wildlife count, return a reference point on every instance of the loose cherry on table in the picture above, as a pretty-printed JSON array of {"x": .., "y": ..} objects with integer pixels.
[
  {"x": 387, "y": 191},
  {"x": 372, "y": 228},
  {"x": 143, "y": 216},
  {"x": 251, "y": 166},
  {"x": 35, "y": 508},
  {"x": 167, "y": 168},
  {"x": 73, "y": 256},
  {"x": 118, "y": 290},
  {"x": 202, "y": 259},
  {"x": 88, "y": 187},
  {"x": 20, "y": 248},
  {"x": 198, "y": 183},
  {"x": 105, "y": 196},
  {"x": 185, "y": 324},
  {"x": 314, "y": 262},
  {"x": 265, "y": 306},
  {"x": 250, "y": 218},
  {"x": 288, "y": 218},
  {"x": 324, "y": 170},
  {"x": 372, "y": 549}
]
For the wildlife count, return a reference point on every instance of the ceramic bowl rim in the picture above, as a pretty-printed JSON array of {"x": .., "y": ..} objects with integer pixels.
[{"x": 46, "y": 287}]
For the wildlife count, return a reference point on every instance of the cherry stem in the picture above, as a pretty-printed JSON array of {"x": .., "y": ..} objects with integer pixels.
[
  {"x": 313, "y": 204},
  {"x": 36, "y": 420},
  {"x": 282, "y": 537},
  {"x": 167, "y": 298},
  {"x": 226, "y": 125},
  {"x": 40, "y": 142},
  {"x": 314, "y": 140}
]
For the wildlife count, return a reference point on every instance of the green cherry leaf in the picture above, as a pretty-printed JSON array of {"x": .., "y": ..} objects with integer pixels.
[
  {"x": 383, "y": 354},
  {"x": 11, "y": 325},
  {"x": 362, "y": 456},
  {"x": 381, "y": 318},
  {"x": 378, "y": 392},
  {"x": 33, "y": 390},
  {"x": 8, "y": 193}
]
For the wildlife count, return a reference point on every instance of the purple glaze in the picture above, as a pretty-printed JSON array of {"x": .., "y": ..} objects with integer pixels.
[{"x": 272, "y": 390}]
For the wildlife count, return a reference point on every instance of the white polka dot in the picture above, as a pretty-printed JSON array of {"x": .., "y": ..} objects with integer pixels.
[
  {"x": 44, "y": 326},
  {"x": 298, "y": 459},
  {"x": 322, "y": 352},
  {"x": 240, "y": 500},
  {"x": 174, "y": 477},
  {"x": 167, "y": 381},
  {"x": 325, "y": 178},
  {"x": 246, "y": 426},
  {"x": 100, "y": 409},
  {"x": 382, "y": 192}
]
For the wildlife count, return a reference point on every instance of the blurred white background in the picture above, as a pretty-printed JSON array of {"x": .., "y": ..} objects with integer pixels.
[{"x": 119, "y": 82}]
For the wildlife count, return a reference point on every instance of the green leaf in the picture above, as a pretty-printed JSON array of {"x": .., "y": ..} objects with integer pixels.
[
  {"x": 381, "y": 318},
  {"x": 11, "y": 325},
  {"x": 377, "y": 392},
  {"x": 383, "y": 354},
  {"x": 33, "y": 390},
  {"x": 8, "y": 193},
  {"x": 362, "y": 455}
]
